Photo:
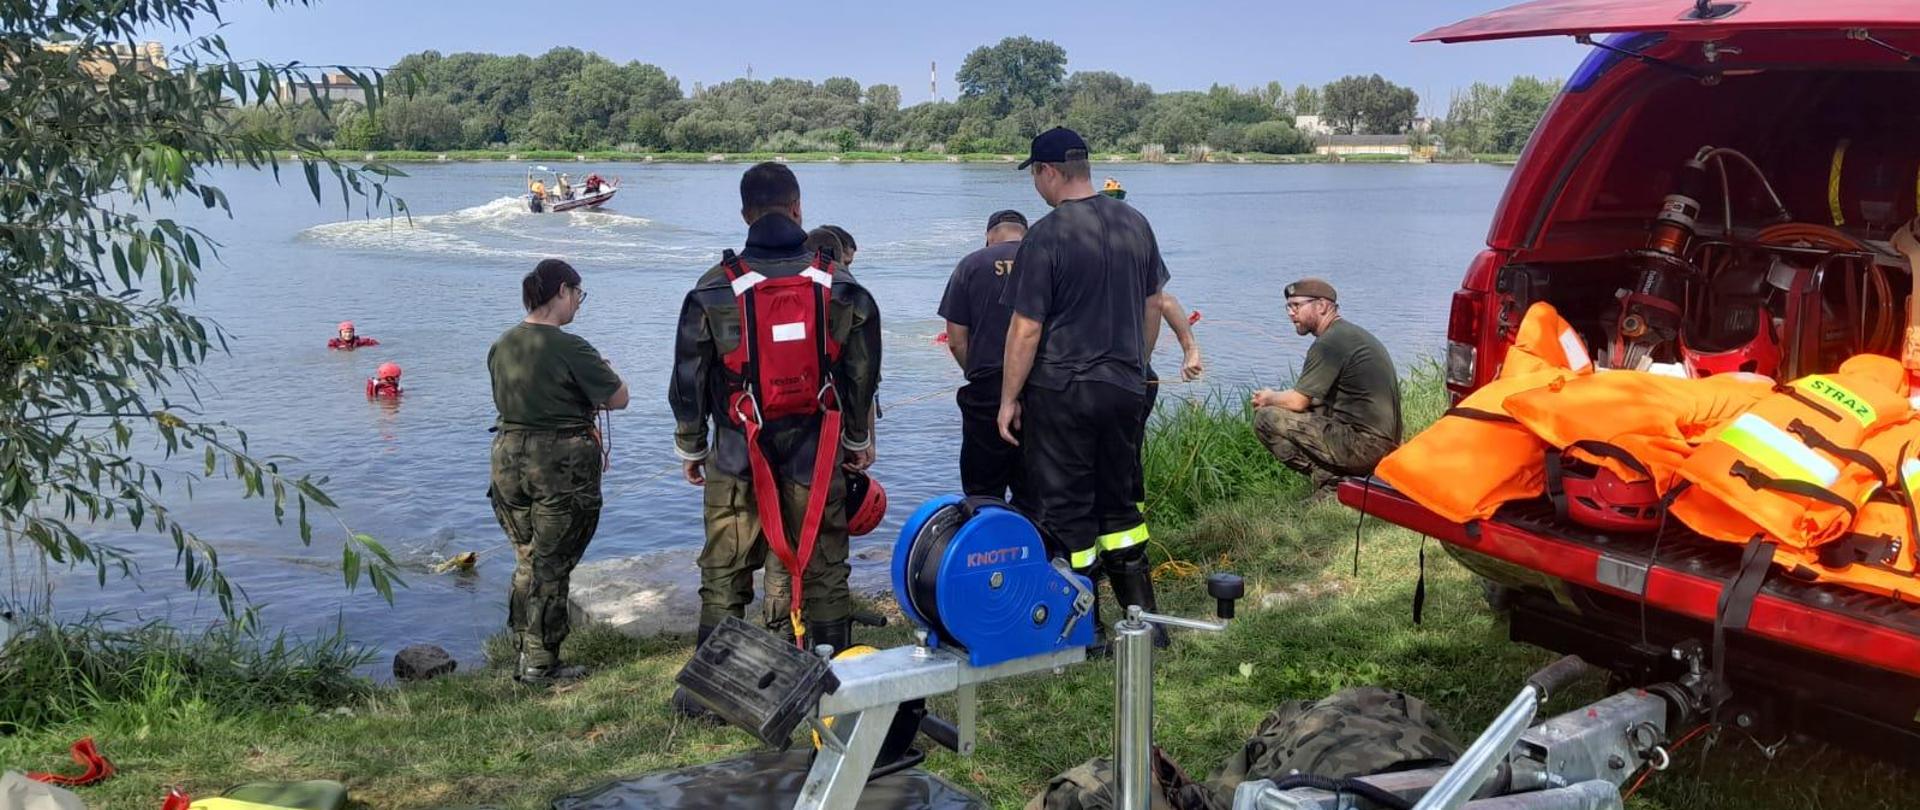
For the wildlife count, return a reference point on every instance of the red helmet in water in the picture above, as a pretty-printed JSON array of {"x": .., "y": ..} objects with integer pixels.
[
  {"x": 345, "y": 326},
  {"x": 866, "y": 504},
  {"x": 388, "y": 371}
]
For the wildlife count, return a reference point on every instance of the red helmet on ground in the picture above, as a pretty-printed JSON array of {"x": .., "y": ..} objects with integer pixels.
[
  {"x": 866, "y": 504},
  {"x": 388, "y": 370},
  {"x": 1597, "y": 498}
]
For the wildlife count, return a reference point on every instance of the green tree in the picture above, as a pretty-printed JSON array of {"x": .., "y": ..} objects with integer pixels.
[
  {"x": 1105, "y": 108},
  {"x": 422, "y": 122},
  {"x": 1369, "y": 104},
  {"x": 1521, "y": 107},
  {"x": 1015, "y": 68},
  {"x": 357, "y": 130},
  {"x": 1470, "y": 114},
  {"x": 1306, "y": 101},
  {"x": 1275, "y": 138},
  {"x": 97, "y": 347},
  {"x": 1177, "y": 120}
]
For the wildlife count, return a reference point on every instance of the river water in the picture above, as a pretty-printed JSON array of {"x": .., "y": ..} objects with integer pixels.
[{"x": 436, "y": 292}]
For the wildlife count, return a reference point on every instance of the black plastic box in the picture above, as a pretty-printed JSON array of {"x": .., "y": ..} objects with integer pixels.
[{"x": 757, "y": 681}]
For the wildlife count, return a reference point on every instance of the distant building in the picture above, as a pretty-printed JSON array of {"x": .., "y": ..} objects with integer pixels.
[
  {"x": 332, "y": 87},
  {"x": 1311, "y": 126},
  {"x": 1340, "y": 146},
  {"x": 1421, "y": 124},
  {"x": 106, "y": 59}
]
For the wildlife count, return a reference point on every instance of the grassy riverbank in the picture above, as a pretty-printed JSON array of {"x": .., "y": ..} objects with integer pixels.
[
  {"x": 552, "y": 157},
  {"x": 1309, "y": 626}
]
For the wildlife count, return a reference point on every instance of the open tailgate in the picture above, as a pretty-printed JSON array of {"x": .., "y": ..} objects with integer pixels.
[
  {"x": 1569, "y": 17},
  {"x": 1673, "y": 576}
]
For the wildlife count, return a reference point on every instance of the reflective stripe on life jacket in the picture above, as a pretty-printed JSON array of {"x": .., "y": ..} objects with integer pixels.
[
  {"x": 1653, "y": 419},
  {"x": 1791, "y": 467}
]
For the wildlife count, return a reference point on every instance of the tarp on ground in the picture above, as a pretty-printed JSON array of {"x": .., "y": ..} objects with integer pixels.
[{"x": 762, "y": 781}]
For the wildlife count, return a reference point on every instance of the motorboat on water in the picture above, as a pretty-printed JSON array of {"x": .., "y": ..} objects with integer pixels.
[{"x": 591, "y": 195}]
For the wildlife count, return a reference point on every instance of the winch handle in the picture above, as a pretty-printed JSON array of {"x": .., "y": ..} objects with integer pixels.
[
  {"x": 1225, "y": 587},
  {"x": 1554, "y": 676}
]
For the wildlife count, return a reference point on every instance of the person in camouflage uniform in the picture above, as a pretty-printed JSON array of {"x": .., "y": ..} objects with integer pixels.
[
  {"x": 1355, "y": 732},
  {"x": 545, "y": 484},
  {"x": 713, "y": 449}
]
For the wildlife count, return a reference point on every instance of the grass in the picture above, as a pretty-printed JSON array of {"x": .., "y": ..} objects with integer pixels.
[{"x": 1309, "y": 626}]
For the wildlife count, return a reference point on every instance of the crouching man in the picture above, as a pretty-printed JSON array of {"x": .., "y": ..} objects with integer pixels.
[{"x": 1343, "y": 414}]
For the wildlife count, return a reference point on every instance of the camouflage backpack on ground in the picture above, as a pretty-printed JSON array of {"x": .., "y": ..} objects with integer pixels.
[
  {"x": 1355, "y": 732},
  {"x": 1090, "y": 786}
]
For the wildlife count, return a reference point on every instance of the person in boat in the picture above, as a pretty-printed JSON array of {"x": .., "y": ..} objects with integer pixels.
[
  {"x": 1343, "y": 413},
  {"x": 563, "y": 188},
  {"x": 1111, "y": 185},
  {"x": 346, "y": 337},
  {"x": 539, "y": 189},
  {"x": 385, "y": 382},
  {"x": 548, "y": 384},
  {"x": 594, "y": 183},
  {"x": 711, "y": 440}
]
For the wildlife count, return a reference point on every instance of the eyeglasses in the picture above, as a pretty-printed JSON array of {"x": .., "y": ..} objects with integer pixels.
[
  {"x": 1293, "y": 305},
  {"x": 583, "y": 295}
]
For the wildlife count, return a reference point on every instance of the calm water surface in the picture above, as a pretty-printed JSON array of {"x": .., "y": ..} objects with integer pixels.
[{"x": 1394, "y": 239}]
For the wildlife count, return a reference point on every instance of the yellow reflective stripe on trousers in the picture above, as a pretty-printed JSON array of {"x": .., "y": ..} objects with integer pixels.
[
  {"x": 1778, "y": 452},
  {"x": 1084, "y": 558},
  {"x": 1119, "y": 540}
]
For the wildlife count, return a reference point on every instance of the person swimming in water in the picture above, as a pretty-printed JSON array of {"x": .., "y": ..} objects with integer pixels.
[
  {"x": 348, "y": 338},
  {"x": 385, "y": 382}
]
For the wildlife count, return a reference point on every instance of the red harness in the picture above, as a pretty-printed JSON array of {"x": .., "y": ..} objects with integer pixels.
[{"x": 783, "y": 369}]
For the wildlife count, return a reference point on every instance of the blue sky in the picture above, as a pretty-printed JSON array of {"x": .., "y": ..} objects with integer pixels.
[{"x": 1171, "y": 45}]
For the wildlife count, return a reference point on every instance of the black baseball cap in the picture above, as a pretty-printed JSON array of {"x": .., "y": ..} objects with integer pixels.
[
  {"x": 1053, "y": 145},
  {"x": 1009, "y": 215}
]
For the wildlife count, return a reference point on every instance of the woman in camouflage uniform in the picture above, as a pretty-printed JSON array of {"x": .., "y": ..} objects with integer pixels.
[{"x": 547, "y": 385}]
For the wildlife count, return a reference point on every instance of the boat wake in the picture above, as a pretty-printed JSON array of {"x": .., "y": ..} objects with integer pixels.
[{"x": 504, "y": 228}]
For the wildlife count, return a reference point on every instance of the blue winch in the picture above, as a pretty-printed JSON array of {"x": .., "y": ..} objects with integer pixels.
[{"x": 977, "y": 576}]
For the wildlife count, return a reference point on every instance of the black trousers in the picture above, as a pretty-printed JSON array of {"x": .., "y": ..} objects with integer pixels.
[
  {"x": 988, "y": 465},
  {"x": 1082, "y": 462}
]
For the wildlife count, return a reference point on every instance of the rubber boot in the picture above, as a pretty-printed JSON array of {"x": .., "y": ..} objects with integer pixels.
[
  {"x": 1132, "y": 580},
  {"x": 835, "y": 633},
  {"x": 684, "y": 703},
  {"x": 1101, "y": 646},
  {"x": 551, "y": 675}
]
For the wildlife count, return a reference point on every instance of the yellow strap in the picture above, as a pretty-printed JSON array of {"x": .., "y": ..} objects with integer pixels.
[
  {"x": 1084, "y": 558},
  {"x": 1114, "y": 541},
  {"x": 1910, "y": 475},
  {"x": 1833, "y": 181},
  {"x": 799, "y": 627}
]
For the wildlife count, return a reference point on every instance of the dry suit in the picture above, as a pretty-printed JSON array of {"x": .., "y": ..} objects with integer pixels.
[{"x": 705, "y": 430}]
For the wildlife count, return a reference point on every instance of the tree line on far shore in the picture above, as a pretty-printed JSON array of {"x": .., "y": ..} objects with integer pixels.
[{"x": 575, "y": 100}]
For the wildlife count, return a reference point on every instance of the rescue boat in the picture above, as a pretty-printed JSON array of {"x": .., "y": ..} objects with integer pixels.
[{"x": 579, "y": 200}]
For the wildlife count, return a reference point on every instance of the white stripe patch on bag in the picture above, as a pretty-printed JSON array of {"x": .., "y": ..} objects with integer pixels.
[
  {"x": 787, "y": 332},
  {"x": 746, "y": 281},
  {"x": 1575, "y": 351}
]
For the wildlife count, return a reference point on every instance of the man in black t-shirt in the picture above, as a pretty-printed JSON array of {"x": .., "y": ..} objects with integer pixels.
[
  {"x": 977, "y": 337},
  {"x": 1086, "y": 282}
]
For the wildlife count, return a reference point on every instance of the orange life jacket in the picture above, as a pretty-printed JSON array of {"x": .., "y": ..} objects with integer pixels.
[
  {"x": 1545, "y": 341},
  {"x": 1635, "y": 424},
  {"x": 1791, "y": 467},
  {"x": 1877, "y": 553},
  {"x": 1476, "y": 458}
]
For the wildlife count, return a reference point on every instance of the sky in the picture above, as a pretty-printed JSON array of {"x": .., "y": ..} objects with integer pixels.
[{"x": 1172, "y": 46}]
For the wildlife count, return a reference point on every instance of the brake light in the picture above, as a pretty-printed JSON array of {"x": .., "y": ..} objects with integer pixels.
[{"x": 1463, "y": 338}]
